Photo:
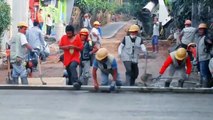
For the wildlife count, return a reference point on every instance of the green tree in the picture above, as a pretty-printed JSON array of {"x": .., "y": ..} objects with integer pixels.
[
  {"x": 94, "y": 6},
  {"x": 4, "y": 17}
]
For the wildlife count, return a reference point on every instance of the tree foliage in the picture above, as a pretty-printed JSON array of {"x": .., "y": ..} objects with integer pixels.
[
  {"x": 94, "y": 6},
  {"x": 4, "y": 16}
]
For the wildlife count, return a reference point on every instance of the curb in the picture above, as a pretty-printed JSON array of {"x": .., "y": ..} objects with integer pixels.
[{"x": 105, "y": 88}]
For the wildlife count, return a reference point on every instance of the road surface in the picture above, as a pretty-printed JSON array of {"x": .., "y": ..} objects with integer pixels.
[
  {"x": 82, "y": 105},
  {"x": 111, "y": 29}
]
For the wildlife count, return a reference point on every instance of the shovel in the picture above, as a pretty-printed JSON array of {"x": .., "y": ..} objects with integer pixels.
[
  {"x": 40, "y": 72},
  {"x": 145, "y": 75},
  {"x": 9, "y": 78}
]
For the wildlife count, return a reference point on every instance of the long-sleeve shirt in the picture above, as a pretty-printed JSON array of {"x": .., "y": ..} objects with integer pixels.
[
  {"x": 35, "y": 37},
  {"x": 169, "y": 61}
]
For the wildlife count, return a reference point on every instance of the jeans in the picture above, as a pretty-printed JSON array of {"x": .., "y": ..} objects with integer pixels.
[
  {"x": 84, "y": 71},
  {"x": 105, "y": 79},
  {"x": 205, "y": 74},
  {"x": 72, "y": 73},
  {"x": 19, "y": 70},
  {"x": 48, "y": 31},
  {"x": 131, "y": 72},
  {"x": 41, "y": 25},
  {"x": 155, "y": 40}
]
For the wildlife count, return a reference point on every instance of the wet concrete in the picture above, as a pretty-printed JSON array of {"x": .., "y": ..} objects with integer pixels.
[{"x": 81, "y": 105}]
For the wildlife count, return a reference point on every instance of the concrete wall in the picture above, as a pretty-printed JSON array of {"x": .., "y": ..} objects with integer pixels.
[
  {"x": 19, "y": 12},
  {"x": 70, "y": 5}
]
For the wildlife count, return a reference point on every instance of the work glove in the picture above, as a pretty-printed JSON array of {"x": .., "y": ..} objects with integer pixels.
[
  {"x": 158, "y": 78},
  {"x": 33, "y": 52},
  {"x": 112, "y": 86}
]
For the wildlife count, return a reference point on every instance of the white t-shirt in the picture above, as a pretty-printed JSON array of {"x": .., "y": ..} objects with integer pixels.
[
  {"x": 23, "y": 39},
  {"x": 188, "y": 35},
  {"x": 156, "y": 29},
  {"x": 49, "y": 21},
  {"x": 94, "y": 38}
]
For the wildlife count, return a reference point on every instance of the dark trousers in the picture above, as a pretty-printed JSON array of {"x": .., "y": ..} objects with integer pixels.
[
  {"x": 131, "y": 72},
  {"x": 72, "y": 73},
  {"x": 48, "y": 32},
  {"x": 205, "y": 74},
  {"x": 41, "y": 25}
]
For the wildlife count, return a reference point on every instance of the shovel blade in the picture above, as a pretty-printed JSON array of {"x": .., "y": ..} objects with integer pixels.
[{"x": 146, "y": 77}]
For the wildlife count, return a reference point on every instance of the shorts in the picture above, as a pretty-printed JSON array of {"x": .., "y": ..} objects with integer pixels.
[{"x": 155, "y": 40}]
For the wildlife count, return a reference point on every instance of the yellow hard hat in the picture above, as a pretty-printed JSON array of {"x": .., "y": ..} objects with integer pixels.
[
  {"x": 188, "y": 22},
  {"x": 84, "y": 31},
  {"x": 101, "y": 54},
  {"x": 202, "y": 26},
  {"x": 22, "y": 24},
  {"x": 134, "y": 28},
  {"x": 180, "y": 54},
  {"x": 96, "y": 23}
]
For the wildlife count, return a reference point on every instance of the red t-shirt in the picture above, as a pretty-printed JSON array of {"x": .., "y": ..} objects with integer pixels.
[{"x": 74, "y": 54}]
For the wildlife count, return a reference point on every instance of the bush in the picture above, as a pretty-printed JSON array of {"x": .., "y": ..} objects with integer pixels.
[{"x": 4, "y": 17}]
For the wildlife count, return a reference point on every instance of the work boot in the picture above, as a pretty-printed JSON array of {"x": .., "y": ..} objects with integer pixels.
[
  {"x": 167, "y": 84},
  {"x": 180, "y": 83},
  {"x": 77, "y": 85},
  {"x": 132, "y": 82}
]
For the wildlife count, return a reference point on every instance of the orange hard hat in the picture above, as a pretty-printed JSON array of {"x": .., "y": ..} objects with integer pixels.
[{"x": 84, "y": 31}]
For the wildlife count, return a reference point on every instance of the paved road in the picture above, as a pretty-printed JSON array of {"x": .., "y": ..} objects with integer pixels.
[
  {"x": 80, "y": 105},
  {"x": 111, "y": 29}
]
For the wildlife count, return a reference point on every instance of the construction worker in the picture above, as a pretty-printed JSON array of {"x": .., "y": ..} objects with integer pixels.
[
  {"x": 204, "y": 49},
  {"x": 129, "y": 51},
  {"x": 39, "y": 18},
  {"x": 86, "y": 54},
  {"x": 86, "y": 22},
  {"x": 187, "y": 35},
  {"x": 177, "y": 60},
  {"x": 18, "y": 53},
  {"x": 35, "y": 37},
  {"x": 107, "y": 65},
  {"x": 155, "y": 35},
  {"x": 95, "y": 34},
  {"x": 71, "y": 45},
  {"x": 191, "y": 50}
]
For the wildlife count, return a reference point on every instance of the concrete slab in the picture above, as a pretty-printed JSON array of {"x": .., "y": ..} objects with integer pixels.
[{"x": 105, "y": 88}]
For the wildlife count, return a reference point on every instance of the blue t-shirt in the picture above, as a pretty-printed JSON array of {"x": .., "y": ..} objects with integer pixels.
[{"x": 113, "y": 66}]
